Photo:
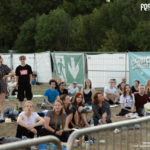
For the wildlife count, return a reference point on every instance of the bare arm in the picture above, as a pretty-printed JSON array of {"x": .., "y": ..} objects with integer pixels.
[
  {"x": 21, "y": 122},
  {"x": 30, "y": 78},
  {"x": 132, "y": 107},
  {"x": 16, "y": 80},
  {"x": 76, "y": 118},
  {"x": 8, "y": 75},
  {"x": 40, "y": 121},
  {"x": 68, "y": 120},
  {"x": 46, "y": 124},
  {"x": 47, "y": 102},
  {"x": 104, "y": 116},
  {"x": 122, "y": 106}
]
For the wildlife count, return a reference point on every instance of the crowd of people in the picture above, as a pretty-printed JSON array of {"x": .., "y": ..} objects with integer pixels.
[{"x": 68, "y": 106}]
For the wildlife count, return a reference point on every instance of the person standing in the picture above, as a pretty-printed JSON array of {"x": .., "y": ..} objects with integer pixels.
[
  {"x": 23, "y": 79},
  {"x": 5, "y": 72}
]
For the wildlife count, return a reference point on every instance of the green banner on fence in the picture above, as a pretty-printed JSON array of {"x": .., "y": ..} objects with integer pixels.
[{"x": 69, "y": 67}]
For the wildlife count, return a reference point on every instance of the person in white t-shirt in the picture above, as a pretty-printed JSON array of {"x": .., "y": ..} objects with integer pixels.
[
  {"x": 29, "y": 122},
  {"x": 110, "y": 93},
  {"x": 127, "y": 101},
  {"x": 73, "y": 89},
  {"x": 12, "y": 85}
]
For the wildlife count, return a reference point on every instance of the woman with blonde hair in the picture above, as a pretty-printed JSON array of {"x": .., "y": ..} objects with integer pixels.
[
  {"x": 29, "y": 122},
  {"x": 5, "y": 72},
  {"x": 55, "y": 122},
  {"x": 87, "y": 92}
]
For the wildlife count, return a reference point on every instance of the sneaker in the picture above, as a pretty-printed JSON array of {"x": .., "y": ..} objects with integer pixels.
[
  {"x": 117, "y": 103},
  {"x": 1, "y": 118},
  {"x": 20, "y": 110},
  {"x": 33, "y": 147},
  {"x": 116, "y": 131}
]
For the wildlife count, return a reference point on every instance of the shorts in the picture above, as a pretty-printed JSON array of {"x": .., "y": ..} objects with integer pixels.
[
  {"x": 3, "y": 87},
  {"x": 24, "y": 91}
]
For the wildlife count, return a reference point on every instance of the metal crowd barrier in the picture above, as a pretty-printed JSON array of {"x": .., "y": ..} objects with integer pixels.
[
  {"x": 124, "y": 135},
  {"x": 30, "y": 142}
]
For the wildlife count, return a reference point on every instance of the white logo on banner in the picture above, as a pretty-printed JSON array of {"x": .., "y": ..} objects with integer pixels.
[
  {"x": 73, "y": 69},
  {"x": 61, "y": 67}
]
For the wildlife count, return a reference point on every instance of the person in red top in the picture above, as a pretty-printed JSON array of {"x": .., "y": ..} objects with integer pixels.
[{"x": 140, "y": 99}]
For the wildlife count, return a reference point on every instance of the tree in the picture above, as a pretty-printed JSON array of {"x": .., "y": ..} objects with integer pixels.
[
  {"x": 80, "y": 7},
  {"x": 140, "y": 36},
  {"x": 52, "y": 31},
  {"x": 13, "y": 14},
  {"x": 25, "y": 40}
]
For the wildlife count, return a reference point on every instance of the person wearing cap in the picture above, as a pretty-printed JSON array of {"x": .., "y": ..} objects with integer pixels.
[
  {"x": 73, "y": 89},
  {"x": 140, "y": 99}
]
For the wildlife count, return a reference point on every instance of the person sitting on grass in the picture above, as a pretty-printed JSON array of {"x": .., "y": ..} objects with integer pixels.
[
  {"x": 73, "y": 89},
  {"x": 55, "y": 121},
  {"x": 71, "y": 115},
  {"x": 87, "y": 92},
  {"x": 135, "y": 87},
  {"x": 121, "y": 87},
  {"x": 50, "y": 94},
  {"x": 62, "y": 90},
  {"x": 127, "y": 101},
  {"x": 82, "y": 110},
  {"x": 140, "y": 100},
  {"x": 29, "y": 122},
  {"x": 111, "y": 94},
  {"x": 12, "y": 86},
  {"x": 101, "y": 109}
]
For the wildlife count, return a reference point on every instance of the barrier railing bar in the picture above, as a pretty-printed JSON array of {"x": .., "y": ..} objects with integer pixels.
[
  {"x": 113, "y": 141},
  {"x": 127, "y": 139},
  {"x": 134, "y": 140},
  {"x": 146, "y": 133},
  {"x": 103, "y": 127},
  {"x": 31, "y": 142},
  {"x": 120, "y": 139},
  {"x": 106, "y": 140}
]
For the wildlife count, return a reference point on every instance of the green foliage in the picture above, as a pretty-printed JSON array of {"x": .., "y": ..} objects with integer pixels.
[
  {"x": 141, "y": 35},
  {"x": 76, "y": 7},
  {"x": 52, "y": 30},
  {"x": 13, "y": 14},
  {"x": 25, "y": 41},
  {"x": 82, "y": 25}
]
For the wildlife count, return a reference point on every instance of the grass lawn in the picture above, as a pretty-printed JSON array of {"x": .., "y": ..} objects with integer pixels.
[{"x": 9, "y": 129}]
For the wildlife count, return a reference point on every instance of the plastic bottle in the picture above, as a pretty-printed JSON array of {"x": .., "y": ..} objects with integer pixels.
[
  {"x": 17, "y": 107},
  {"x": 92, "y": 122}
]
